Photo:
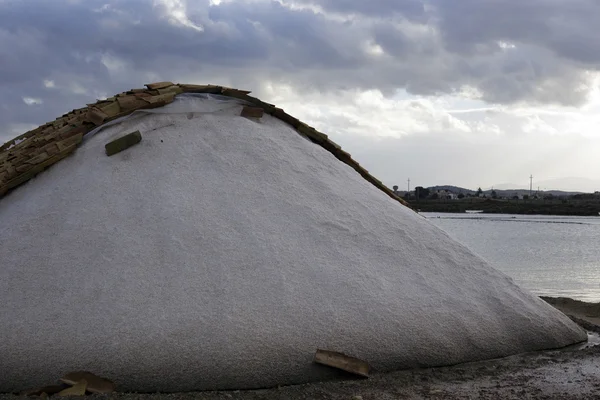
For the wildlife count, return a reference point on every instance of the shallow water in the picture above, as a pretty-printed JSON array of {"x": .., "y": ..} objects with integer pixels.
[
  {"x": 549, "y": 255},
  {"x": 593, "y": 340}
]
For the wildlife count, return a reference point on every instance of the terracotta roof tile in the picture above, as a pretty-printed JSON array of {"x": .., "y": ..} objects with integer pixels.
[{"x": 158, "y": 85}]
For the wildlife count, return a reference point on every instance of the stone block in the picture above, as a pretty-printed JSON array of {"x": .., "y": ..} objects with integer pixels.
[
  {"x": 252, "y": 112},
  {"x": 122, "y": 143}
]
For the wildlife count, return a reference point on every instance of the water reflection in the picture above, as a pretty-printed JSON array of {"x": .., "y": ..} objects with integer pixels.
[{"x": 549, "y": 255}]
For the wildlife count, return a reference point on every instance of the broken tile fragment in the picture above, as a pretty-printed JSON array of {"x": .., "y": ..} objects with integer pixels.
[
  {"x": 132, "y": 102},
  {"x": 341, "y": 361},
  {"x": 158, "y": 85},
  {"x": 78, "y": 389},
  {"x": 49, "y": 390},
  {"x": 96, "y": 116},
  {"x": 171, "y": 89},
  {"x": 95, "y": 384}
]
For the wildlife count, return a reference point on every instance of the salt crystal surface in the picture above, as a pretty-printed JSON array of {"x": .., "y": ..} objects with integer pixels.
[{"x": 221, "y": 252}]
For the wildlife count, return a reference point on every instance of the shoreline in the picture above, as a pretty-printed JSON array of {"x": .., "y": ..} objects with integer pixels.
[
  {"x": 520, "y": 207},
  {"x": 569, "y": 373},
  {"x": 580, "y": 310},
  {"x": 511, "y": 212}
]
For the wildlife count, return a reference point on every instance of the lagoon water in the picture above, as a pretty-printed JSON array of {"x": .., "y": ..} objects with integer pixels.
[{"x": 549, "y": 255}]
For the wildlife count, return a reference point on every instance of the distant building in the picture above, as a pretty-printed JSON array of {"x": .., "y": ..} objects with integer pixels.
[
  {"x": 446, "y": 194},
  {"x": 399, "y": 193}
]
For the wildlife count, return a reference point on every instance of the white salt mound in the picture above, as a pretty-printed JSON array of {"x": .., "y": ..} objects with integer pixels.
[{"x": 221, "y": 252}]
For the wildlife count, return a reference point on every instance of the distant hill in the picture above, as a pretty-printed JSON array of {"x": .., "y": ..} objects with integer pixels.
[
  {"x": 500, "y": 192},
  {"x": 565, "y": 185},
  {"x": 508, "y": 192},
  {"x": 453, "y": 189}
]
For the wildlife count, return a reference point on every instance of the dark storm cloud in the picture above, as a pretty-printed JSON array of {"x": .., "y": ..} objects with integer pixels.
[
  {"x": 564, "y": 27},
  {"x": 65, "y": 42},
  {"x": 555, "y": 48},
  {"x": 410, "y": 9},
  {"x": 429, "y": 47}
]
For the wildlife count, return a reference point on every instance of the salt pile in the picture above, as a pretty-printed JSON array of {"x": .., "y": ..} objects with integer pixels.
[{"x": 222, "y": 251}]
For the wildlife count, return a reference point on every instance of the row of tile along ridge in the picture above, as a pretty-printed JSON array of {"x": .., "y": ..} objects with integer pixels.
[{"x": 30, "y": 153}]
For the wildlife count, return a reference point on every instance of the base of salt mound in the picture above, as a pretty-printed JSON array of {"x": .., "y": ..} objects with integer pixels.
[{"x": 221, "y": 252}]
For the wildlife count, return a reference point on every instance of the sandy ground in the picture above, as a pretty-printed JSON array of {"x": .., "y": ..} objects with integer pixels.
[{"x": 570, "y": 373}]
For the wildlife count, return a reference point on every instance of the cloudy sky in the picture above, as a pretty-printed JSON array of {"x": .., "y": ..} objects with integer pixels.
[{"x": 464, "y": 92}]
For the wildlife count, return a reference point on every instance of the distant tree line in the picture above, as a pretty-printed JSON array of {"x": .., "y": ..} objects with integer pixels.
[
  {"x": 517, "y": 202},
  {"x": 422, "y": 193}
]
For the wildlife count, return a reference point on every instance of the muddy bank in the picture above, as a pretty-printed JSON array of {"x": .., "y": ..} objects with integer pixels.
[
  {"x": 589, "y": 312},
  {"x": 491, "y": 206}
]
